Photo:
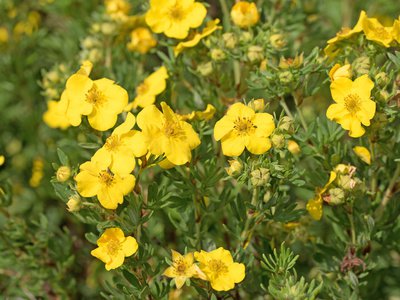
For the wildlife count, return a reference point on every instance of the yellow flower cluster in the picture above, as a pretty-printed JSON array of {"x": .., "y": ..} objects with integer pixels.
[
  {"x": 372, "y": 29},
  {"x": 216, "y": 266}
]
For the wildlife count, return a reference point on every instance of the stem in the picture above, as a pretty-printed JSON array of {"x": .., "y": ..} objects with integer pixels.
[
  {"x": 374, "y": 179},
  {"x": 353, "y": 230},
  {"x": 388, "y": 193},
  {"x": 300, "y": 113},
  {"x": 225, "y": 11},
  {"x": 247, "y": 232},
  {"x": 282, "y": 102}
]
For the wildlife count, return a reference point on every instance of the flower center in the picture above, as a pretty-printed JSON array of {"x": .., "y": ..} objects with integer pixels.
[
  {"x": 112, "y": 143},
  {"x": 352, "y": 102},
  {"x": 106, "y": 177},
  {"x": 142, "y": 89},
  {"x": 95, "y": 96},
  {"x": 217, "y": 267},
  {"x": 176, "y": 12},
  {"x": 180, "y": 267},
  {"x": 113, "y": 246},
  {"x": 244, "y": 126},
  {"x": 173, "y": 130}
]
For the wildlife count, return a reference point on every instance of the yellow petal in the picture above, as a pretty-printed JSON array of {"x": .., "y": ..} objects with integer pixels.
[
  {"x": 265, "y": 124},
  {"x": 116, "y": 261},
  {"x": 237, "y": 272},
  {"x": 176, "y": 255},
  {"x": 180, "y": 281},
  {"x": 363, "y": 153},
  {"x": 129, "y": 246},
  {"x": 177, "y": 152},
  {"x": 336, "y": 111},
  {"x": 149, "y": 116},
  {"x": 363, "y": 86},
  {"x": 258, "y": 145},
  {"x": 240, "y": 110},
  {"x": 356, "y": 130},
  {"x": 314, "y": 207},
  {"x": 232, "y": 145},
  {"x": 87, "y": 184},
  {"x": 110, "y": 197},
  {"x": 340, "y": 88},
  {"x": 101, "y": 254},
  {"x": 223, "y": 127},
  {"x": 126, "y": 126}
]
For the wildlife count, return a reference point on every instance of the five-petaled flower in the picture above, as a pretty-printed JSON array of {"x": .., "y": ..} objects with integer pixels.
[
  {"x": 114, "y": 247},
  {"x": 96, "y": 179},
  {"x": 220, "y": 269},
  {"x": 165, "y": 133},
  {"x": 353, "y": 105},
  {"x": 175, "y": 17},
  {"x": 182, "y": 268},
  {"x": 241, "y": 127}
]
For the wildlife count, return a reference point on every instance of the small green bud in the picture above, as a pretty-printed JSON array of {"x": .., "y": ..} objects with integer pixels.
[
  {"x": 278, "y": 140},
  {"x": 74, "y": 203},
  {"x": 336, "y": 196},
  {"x": 255, "y": 53},
  {"x": 205, "y": 69},
  {"x": 260, "y": 177},
  {"x": 63, "y": 173},
  {"x": 286, "y": 77},
  {"x": 230, "y": 40},
  {"x": 245, "y": 37},
  {"x": 361, "y": 65},
  {"x": 382, "y": 79},
  {"x": 217, "y": 54}
]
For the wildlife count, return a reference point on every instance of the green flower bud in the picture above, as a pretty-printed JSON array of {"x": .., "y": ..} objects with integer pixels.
[
  {"x": 255, "y": 53},
  {"x": 63, "y": 173},
  {"x": 278, "y": 140},
  {"x": 286, "y": 77},
  {"x": 361, "y": 65},
  {"x": 230, "y": 40},
  {"x": 382, "y": 79},
  {"x": 217, "y": 54},
  {"x": 74, "y": 203},
  {"x": 205, "y": 69},
  {"x": 336, "y": 196},
  {"x": 260, "y": 177}
]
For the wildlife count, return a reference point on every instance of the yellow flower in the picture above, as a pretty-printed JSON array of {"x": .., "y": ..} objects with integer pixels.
[
  {"x": 363, "y": 153},
  {"x": 117, "y": 9},
  {"x": 245, "y": 14},
  {"x": 101, "y": 100},
  {"x": 241, "y": 127},
  {"x": 141, "y": 40},
  {"x": 396, "y": 31},
  {"x": 210, "y": 28},
  {"x": 375, "y": 31},
  {"x": 55, "y": 116},
  {"x": 220, "y": 269},
  {"x": 206, "y": 114},
  {"x": 114, "y": 247},
  {"x": 343, "y": 34},
  {"x": 175, "y": 17},
  {"x": 121, "y": 147},
  {"x": 314, "y": 206},
  {"x": 152, "y": 86},
  {"x": 96, "y": 179},
  {"x": 353, "y": 104},
  {"x": 182, "y": 268},
  {"x": 340, "y": 71},
  {"x": 2, "y": 160},
  {"x": 165, "y": 133},
  {"x": 37, "y": 172}
]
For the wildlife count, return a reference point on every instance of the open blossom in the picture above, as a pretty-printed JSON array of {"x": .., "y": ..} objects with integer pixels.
[
  {"x": 96, "y": 179},
  {"x": 121, "y": 147},
  {"x": 242, "y": 128},
  {"x": 245, "y": 14},
  {"x": 376, "y": 32},
  {"x": 210, "y": 28},
  {"x": 114, "y": 247},
  {"x": 353, "y": 105},
  {"x": 220, "y": 269},
  {"x": 165, "y": 133},
  {"x": 152, "y": 86},
  {"x": 55, "y": 116},
  {"x": 314, "y": 206},
  {"x": 174, "y": 18},
  {"x": 182, "y": 268}
]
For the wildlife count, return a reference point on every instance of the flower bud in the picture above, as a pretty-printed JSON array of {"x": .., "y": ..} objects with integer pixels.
[
  {"x": 361, "y": 65},
  {"x": 245, "y": 14},
  {"x": 235, "y": 168},
  {"x": 382, "y": 79},
  {"x": 286, "y": 123},
  {"x": 293, "y": 147},
  {"x": 63, "y": 173},
  {"x": 217, "y": 54},
  {"x": 257, "y": 105},
  {"x": 336, "y": 196},
  {"x": 245, "y": 37},
  {"x": 277, "y": 41},
  {"x": 338, "y": 71},
  {"x": 286, "y": 77},
  {"x": 255, "y": 53},
  {"x": 107, "y": 28},
  {"x": 142, "y": 40},
  {"x": 278, "y": 140},
  {"x": 267, "y": 196},
  {"x": 346, "y": 182},
  {"x": 74, "y": 203},
  {"x": 205, "y": 69},
  {"x": 230, "y": 40},
  {"x": 263, "y": 65},
  {"x": 260, "y": 177},
  {"x": 384, "y": 96}
]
